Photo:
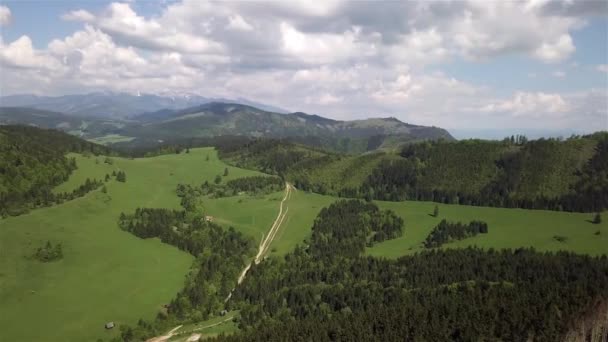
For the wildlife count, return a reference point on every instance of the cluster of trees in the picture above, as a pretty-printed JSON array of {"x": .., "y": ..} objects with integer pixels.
[
  {"x": 49, "y": 252},
  {"x": 350, "y": 225},
  {"x": 446, "y": 231},
  {"x": 552, "y": 174},
  {"x": 48, "y": 198},
  {"x": 32, "y": 163},
  {"x": 541, "y": 174},
  {"x": 121, "y": 176},
  {"x": 220, "y": 256},
  {"x": 439, "y": 295},
  {"x": 254, "y": 185}
]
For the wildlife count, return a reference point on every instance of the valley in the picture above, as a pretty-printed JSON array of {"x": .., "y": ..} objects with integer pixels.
[{"x": 110, "y": 267}]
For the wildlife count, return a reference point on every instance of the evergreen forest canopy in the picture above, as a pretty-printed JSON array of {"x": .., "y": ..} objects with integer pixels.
[
  {"x": 329, "y": 291},
  {"x": 33, "y": 162},
  {"x": 568, "y": 175}
]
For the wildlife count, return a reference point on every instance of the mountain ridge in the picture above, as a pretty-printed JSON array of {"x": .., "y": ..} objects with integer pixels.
[
  {"x": 232, "y": 119},
  {"x": 117, "y": 105}
]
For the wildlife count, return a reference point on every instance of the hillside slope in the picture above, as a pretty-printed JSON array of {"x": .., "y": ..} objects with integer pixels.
[
  {"x": 115, "y": 105},
  {"x": 215, "y": 119},
  {"x": 543, "y": 174},
  {"x": 32, "y": 162}
]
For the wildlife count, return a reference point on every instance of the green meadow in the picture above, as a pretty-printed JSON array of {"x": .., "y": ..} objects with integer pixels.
[
  {"x": 507, "y": 228},
  {"x": 106, "y": 274},
  {"x": 110, "y": 275}
]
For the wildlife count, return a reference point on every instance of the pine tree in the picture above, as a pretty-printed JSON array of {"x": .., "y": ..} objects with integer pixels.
[
  {"x": 436, "y": 211},
  {"x": 225, "y": 172},
  {"x": 121, "y": 176},
  {"x": 597, "y": 219}
]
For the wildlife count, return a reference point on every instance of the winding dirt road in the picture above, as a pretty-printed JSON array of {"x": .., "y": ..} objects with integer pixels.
[
  {"x": 262, "y": 251},
  {"x": 266, "y": 241}
]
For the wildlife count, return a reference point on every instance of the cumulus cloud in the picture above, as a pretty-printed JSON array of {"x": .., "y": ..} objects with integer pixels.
[
  {"x": 346, "y": 59},
  {"x": 21, "y": 54},
  {"x": 526, "y": 103},
  {"x": 78, "y": 15},
  {"x": 5, "y": 16}
]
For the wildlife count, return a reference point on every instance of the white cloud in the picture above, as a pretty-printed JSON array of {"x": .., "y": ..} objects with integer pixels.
[
  {"x": 557, "y": 50},
  {"x": 21, "y": 54},
  {"x": 336, "y": 58},
  {"x": 78, "y": 15},
  {"x": 526, "y": 103},
  {"x": 321, "y": 48},
  {"x": 5, "y": 16},
  {"x": 603, "y": 68},
  {"x": 236, "y": 22}
]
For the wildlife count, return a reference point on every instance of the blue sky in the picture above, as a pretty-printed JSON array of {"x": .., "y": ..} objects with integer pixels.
[{"x": 478, "y": 68}]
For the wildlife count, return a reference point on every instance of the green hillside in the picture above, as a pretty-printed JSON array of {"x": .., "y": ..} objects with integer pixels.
[
  {"x": 32, "y": 162},
  {"x": 106, "y": 274},
  {"x": 104, "y": 267},
  {"x": 228, "y": 119},
  {"x": 549, "y": 174}
]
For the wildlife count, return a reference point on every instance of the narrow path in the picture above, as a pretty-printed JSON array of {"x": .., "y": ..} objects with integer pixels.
[
  {"x": 205, "y": 327},
  {"x": 164, "y": 337},
  {"x": 265, "y": 243},
  {"x": 262, "y": 250}
]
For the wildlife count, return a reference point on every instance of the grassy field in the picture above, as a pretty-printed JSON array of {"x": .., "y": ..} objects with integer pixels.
[
  {"x": 508, "y": 228},
  {"x": 92, "y": 168},
  {"x": 106, "y": 274},
  {"x": 303, "y": 209},
  {"x": 209, "y": 328},
  {"x": 250, "y": 215},
  {"x": 110, "y": 275}
]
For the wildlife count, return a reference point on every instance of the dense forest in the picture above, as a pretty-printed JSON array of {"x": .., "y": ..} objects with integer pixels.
[
  {"x": 446, "y": 231},
  {"x": 220, "y": 256},
  {"x": 33, "y": 162},
  {"x": 329, "y": 291},
  {"x": 553, "y": 174}
]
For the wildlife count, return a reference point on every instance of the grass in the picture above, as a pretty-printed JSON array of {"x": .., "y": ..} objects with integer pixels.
[
  {"x": 209, "y": 328},
  {"x": 507, "y": 228},
  {"x": 303, "y": 209},
  {"x": 109, "y": 275},
  {"x": 92, "y": 167},
  {"x": 111, "y": 139},
  {"x": 250, "y": 215},
  {"x": 106, "y": 274}
]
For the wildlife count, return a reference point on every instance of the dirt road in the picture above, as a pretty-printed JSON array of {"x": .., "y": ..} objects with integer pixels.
[
  {"x": 262, "y": 250},
  {"x": 267, "y": 241}
]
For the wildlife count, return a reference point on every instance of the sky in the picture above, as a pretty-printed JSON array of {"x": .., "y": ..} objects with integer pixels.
[{"x": 478, "y": 68}]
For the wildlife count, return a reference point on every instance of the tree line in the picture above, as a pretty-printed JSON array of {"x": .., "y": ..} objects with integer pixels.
[
  {"x": 446, "y": 231},
  {"x": 33, "y": 162},
  {"x": 325, "y": 291},
  {"x": 550, "y": 174},
  {"x": 220, "y": 256}
]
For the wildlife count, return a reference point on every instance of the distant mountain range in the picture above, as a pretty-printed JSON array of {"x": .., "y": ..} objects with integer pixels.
[
  {"x": 221, "y": 119},
  {"x": 117, "y": 105}
]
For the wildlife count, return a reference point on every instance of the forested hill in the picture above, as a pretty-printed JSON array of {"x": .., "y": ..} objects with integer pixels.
[
  {"x": 570, "y": 175},
  {"x": 328, "y": 291},
  {"x": 32, "y": 162},
  {"x": 216, "y": 119}
]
